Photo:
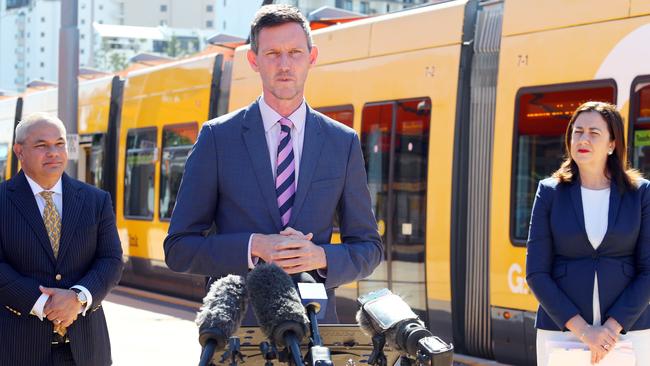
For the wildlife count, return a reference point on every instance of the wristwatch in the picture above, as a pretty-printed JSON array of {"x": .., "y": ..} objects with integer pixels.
[{"x": 81, "y": 297}]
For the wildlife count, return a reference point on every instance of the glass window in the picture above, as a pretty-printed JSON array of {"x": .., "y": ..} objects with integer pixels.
[
  {"x": 163, "y": 8},
  {"x": 395, "y": 144},
  {"x": 209, "y": 8},
  {"x": 640, "y": 140},
  {"x": 177, "y": 143},
  {"x": 542, "y": 117},
  {"x": 95, "y": 161},
  {"x": 141, "y": 154},
  {"x": 343, "y": 114}
]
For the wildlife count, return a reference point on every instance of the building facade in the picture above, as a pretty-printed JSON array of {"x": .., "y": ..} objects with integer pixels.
[
  {"x": 29, "y": 38},
  {"x": 234, "y": 16},
  {"x": 188, "y": 14}
]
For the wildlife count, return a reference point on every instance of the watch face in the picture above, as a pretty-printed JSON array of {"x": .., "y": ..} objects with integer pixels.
[{"x": 82, "y": 297}]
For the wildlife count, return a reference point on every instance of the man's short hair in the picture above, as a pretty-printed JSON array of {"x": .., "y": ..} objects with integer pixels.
[
  {"x": 274, "y": 15},
  {"x": 23, "y": 127}
]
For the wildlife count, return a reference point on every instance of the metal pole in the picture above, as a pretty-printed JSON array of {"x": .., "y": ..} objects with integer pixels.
[{"x": 68, "y": 83}]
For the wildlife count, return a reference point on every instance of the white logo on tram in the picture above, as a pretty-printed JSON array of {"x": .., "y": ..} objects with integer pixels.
[{"x": 517, "y": 280}]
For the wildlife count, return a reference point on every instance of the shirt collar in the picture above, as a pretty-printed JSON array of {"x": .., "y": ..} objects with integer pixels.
[
  {"x": 37, "y": 189},
  {"x": 270, "y": 117}
]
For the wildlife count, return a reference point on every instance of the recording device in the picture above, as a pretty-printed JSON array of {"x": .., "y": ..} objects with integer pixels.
[
  {"x": 278, "y": 309},
  {"x": 220, "y": 316},
  {"x": 389, "y": 320},
  {"x": 314, "y": 299}
]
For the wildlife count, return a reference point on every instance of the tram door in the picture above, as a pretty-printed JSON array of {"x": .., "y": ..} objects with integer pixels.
[
  {"x": 395, "y": 143},
  {"x": 91, "y": 157}
]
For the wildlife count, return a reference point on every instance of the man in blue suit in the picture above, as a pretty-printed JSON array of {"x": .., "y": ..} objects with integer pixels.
[
  {"x": 267, "y": 173},
  {"x": 60, "y": 255}
]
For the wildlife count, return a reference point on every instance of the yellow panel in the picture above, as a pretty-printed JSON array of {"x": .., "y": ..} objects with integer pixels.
[
  {"x": 7, "y": 115},
  {"x": 639, "y": 7},
  {"x": 524, "y": 16},
  {"x": 425, "y": 27},
  {"x": 334, "y": 42},
  {"x": 535, "y": 59},
  {"x": 94, "y": 105},
  {"x": 156, "y": 97}
]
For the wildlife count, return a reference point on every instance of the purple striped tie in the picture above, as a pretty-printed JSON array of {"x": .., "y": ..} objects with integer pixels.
[{"x": 285, "y": 188}]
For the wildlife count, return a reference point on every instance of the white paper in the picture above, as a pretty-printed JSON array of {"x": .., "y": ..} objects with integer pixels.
[{"x": 578, "y": 354}]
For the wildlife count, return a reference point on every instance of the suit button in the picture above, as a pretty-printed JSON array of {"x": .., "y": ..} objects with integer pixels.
[{"x": 58, "y": 277}]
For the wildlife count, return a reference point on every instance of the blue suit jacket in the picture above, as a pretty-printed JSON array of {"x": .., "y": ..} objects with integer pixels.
[
  {"x": 561, "y": 263},
  {"x": 90, "y": 255},
  {"x": 228, "y": 181}
]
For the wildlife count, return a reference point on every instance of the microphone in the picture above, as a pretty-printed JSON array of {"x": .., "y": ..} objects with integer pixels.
[
  {"x": 220, "y": 315},
  {"x": 312, "y": 293},
  {"x": 386, "y": 315},
  {"x": 314, "y": 299},
  {"x": 277, "y": 306}
]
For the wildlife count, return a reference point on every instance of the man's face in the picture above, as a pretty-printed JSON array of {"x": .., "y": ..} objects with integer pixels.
[
  {"x": 43, "y": 155},
  {"x": 283, "y": 60}
]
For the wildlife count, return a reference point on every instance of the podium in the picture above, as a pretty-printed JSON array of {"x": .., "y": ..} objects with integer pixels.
[{"x": 348, "y": 345}]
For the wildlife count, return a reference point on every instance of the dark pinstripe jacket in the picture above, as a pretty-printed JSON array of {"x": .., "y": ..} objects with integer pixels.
[{"x": 90, "y": 255}]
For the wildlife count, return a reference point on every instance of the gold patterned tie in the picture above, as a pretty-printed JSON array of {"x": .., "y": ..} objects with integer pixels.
[{"x": 52, "y": 221}]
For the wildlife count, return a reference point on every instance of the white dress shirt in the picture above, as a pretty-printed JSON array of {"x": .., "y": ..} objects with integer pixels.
[
  {"x": 595, "y": 207},
  {"x": 57, "y": 197},
  {"x": 271, "y": 121}
]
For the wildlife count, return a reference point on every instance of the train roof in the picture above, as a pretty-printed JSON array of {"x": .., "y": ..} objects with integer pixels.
[
  {"x": 527, "y": 16},
  {"x": 433, "y": 25}
]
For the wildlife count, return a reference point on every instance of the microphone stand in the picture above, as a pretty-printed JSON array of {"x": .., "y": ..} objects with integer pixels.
[
  {"x": 269, "y": 353},
  {"x": 233, "y": 352},
  {"x": 208, "y": 353},
  {"x": 293, "y": 347},
  {"x": 318, "y": 355},
  {"x": 378, "y": 357}
]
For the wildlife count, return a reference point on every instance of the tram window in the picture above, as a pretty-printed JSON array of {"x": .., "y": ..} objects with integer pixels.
[
  {"x": 397, "y": 133},
  {"x": 541, "y": 120},
  {"x": 343, "y": 114},
  {"x": 95, "y": 161},
  {"x": 640, "y": 139},
  {"x": 177, "y": 142},
  {"x": 4, "y": 154},
  {"x": 141, "y": 153}
]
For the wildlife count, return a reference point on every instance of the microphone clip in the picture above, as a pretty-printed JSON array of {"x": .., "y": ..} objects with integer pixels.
[{"x": 233, "y": 352}]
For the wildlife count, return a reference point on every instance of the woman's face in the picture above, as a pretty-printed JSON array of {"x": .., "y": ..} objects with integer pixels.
[{"x": 590, "y": 141}]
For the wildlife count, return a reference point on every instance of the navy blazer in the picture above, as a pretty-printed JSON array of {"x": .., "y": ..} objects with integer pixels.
[
  {"x": 90, "y": 255},
  {"x": 228, "y": 181},
  {"x": 561, "y": 263}
]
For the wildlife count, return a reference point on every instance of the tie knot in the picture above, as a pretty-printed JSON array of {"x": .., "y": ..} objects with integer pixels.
[
  {"x": 285, "y": 122},
  {"x": 47, "y": 195}
]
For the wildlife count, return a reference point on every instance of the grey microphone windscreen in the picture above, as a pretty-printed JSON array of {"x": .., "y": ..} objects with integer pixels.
[
  {"x": 222, "y": 310},
  {"x": 276, "y": 303}
]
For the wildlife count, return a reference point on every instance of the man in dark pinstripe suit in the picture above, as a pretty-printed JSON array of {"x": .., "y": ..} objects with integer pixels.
[{"x": 60, "y": 255}]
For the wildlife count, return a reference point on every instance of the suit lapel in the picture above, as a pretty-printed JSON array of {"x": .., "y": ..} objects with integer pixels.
[
  {"x": 576, "y": 198},
  {"x": 614, "y": 205},
  {"x": 72, "y": 210},
  {"x": 23, "y": 197},
  {"x": 255, "y": 140},
  {"x": 312, "y": 146}
]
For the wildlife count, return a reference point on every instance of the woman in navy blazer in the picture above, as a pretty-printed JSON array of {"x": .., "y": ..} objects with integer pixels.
[{"x": 588, "y": 250}]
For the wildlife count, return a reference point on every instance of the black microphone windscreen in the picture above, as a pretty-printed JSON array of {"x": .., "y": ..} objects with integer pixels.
[
  {"x": 276, "y": 303},
  {"x": 222, "y": 310}
]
